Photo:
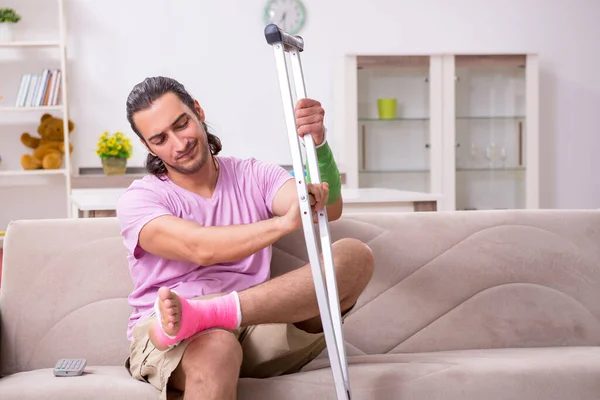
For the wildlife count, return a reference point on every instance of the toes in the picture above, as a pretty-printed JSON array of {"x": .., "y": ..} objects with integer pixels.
[
  {"x": 170, "y": 309},
  {"x": 164, "y": 293}
]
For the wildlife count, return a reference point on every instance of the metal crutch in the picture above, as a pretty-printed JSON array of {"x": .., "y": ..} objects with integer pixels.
[{"x": 327, "y": 294}]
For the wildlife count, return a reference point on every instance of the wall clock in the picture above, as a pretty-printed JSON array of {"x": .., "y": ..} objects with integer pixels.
[{"x": 289, "y": 15}]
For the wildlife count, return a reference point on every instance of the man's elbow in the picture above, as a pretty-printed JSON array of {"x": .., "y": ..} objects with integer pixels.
[{"x": 199, "y": 254}]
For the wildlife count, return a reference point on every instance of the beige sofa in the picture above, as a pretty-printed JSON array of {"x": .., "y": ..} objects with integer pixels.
[{"x": 462, "y": 305}]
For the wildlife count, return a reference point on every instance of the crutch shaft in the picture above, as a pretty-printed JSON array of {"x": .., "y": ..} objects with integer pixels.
[
  {"x": 322, "y": 218},
  {"x": 327, "y": 294}
]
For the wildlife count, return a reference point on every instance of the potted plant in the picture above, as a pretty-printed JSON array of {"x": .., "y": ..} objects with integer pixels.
[
  {"x": 114, "y": 150},
  {"x": 8, "y": 17}
]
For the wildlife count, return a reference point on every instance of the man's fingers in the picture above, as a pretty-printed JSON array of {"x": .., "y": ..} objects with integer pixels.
[
  {"x": 314, "y": 130},
  {"x": 306, "y": 103},
  {"x": 323, "y": 193},
  {"x": 319, "y": 193},
  {"x": 309, "y": 119},
  {"x": 305, "y": 112}
]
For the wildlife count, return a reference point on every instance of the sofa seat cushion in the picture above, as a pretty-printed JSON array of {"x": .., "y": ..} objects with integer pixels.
[
  {"x": 532, "y": 374},
  {"x": 102, "y": 383}
]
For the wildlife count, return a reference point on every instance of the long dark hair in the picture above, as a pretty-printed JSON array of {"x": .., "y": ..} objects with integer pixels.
[{"x": 144, "y": 94}]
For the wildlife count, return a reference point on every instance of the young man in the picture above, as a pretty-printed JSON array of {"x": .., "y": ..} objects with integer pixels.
[{"x": 198, "y": 231}]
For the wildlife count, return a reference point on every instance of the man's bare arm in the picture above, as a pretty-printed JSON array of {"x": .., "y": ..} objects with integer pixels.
[
  {"x": 178, "y": 239},
  {"x": 289, "y": 193}
]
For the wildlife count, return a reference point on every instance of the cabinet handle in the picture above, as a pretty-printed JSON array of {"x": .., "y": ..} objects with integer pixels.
[
  {"x": 427, "y": 145},
  {"x": 456, "y": 78},
  {"x": 364, "y": 143},
  {"x": 520, "y": 143}
]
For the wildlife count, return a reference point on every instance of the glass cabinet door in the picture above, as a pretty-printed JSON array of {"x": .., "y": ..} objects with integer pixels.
[
  {"x": 490, "y": 128},
  {"x": 395, "y": 96}
]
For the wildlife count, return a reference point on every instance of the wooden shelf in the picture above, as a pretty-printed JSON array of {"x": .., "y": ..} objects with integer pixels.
[
  {"x": 29, "y": 44},
  {"x": 490, "y": 117},
  {"x": 424, "y": 171},
  {"x": 492, "y": 169},
  {"x": 422, "y": 61},
  {"x": 23, "y": 109},
  {"x": 392, "y": 61},
  {"x": 394, "y": 171},
  {"x": 424, "y": 119},
  {"x": 494, "y": 60},
  {"x": 37, "y": 172}
]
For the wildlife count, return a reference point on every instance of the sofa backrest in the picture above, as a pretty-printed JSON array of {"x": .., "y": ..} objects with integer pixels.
[
  {"x": 442, "y": 281},
  {"x": 472, "y": 280}
]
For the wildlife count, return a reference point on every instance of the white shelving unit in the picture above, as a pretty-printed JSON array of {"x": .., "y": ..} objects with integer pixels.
[
  {"x": 466, "y": 126},
  {"x": 17, "y": 177}
]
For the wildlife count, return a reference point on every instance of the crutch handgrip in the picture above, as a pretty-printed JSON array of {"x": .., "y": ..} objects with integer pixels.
[{"x": 275, "y": 35}]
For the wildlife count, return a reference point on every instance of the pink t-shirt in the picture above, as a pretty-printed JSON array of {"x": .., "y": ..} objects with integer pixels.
[{"x": 243, "y": 194}]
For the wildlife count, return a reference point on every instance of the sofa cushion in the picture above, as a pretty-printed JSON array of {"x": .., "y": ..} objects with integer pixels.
[
  {"x": 102, "y": 383},
  {"x": 495, "y": 374}
]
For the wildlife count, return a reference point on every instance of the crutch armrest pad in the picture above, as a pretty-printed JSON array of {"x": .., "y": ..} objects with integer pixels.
[{"x": 274, "y": 34}]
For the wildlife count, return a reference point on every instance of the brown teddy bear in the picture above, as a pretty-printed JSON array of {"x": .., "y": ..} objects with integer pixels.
[{"x": 49, "y": 148}]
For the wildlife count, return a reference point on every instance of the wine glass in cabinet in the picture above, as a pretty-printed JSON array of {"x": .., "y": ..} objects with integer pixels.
[{"x": 491, "y": 111}]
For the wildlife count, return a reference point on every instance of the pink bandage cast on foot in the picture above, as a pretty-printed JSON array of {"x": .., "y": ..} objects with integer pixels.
[{"x": 199, "y": 315}]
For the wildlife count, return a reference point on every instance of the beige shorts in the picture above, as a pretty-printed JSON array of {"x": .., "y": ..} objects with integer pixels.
[{"x": 268, "y": 350}]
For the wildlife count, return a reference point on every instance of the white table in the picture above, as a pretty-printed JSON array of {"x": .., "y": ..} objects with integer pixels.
[
  {"x": 89, "y": 202},
  {"x": 103, "y": 201},
  {"x": 369, "y": 200}
]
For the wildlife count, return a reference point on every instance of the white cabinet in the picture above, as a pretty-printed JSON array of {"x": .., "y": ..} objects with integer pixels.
[{"x": 464, "y": 126}]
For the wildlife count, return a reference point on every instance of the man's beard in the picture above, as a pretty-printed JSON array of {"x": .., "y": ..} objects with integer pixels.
[{"x": 197, "y": 166}]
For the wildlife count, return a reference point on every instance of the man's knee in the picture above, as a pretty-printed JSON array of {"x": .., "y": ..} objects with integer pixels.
[
  {"x": 353, "y": 252},
  {"x": 212, "y": 357},
  {"x": 355, "y": 262}
]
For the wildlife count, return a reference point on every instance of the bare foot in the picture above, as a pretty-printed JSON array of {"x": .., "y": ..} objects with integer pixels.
[{"x": 170, "y": 312}]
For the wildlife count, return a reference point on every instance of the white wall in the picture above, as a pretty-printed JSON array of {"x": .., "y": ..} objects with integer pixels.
[{"x": 217, "y": 49}]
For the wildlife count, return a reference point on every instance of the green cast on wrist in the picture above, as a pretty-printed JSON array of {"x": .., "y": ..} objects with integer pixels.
[{"x": 329, "y": 173}]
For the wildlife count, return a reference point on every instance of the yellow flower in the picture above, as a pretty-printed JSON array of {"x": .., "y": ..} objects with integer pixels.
[{"x": 115, "y": 145}]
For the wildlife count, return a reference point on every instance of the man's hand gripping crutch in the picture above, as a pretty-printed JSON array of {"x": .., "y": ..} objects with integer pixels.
[{"x": 327, "y": 293}]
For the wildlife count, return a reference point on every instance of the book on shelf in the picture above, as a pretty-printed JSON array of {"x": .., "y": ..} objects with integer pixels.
[{"x": 38, "y": 90}]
